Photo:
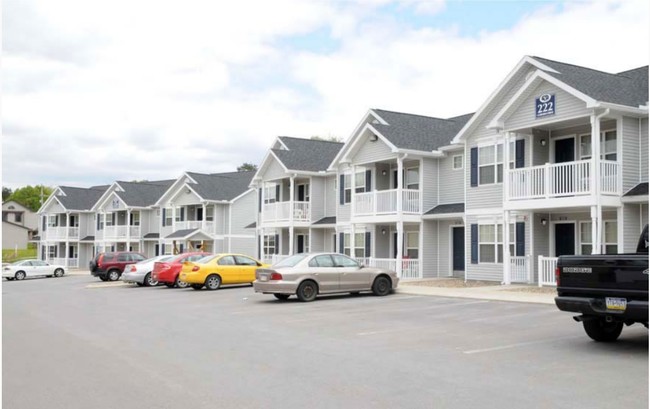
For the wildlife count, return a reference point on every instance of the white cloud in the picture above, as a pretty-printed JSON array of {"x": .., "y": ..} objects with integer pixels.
[{"x": 143, "y": 90}]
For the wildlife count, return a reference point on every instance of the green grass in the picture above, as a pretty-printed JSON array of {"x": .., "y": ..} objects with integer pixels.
[{"x": 10, "y": 255}]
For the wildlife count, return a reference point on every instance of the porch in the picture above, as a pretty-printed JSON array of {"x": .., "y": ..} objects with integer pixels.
[
  {"x": 286, "y": 211},
  {"x": 61, "y": 233},
  {"x": 390, "y": 201}
]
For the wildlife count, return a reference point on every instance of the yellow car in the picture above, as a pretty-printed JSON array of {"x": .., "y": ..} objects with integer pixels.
[{"x": 212, "y": 271}]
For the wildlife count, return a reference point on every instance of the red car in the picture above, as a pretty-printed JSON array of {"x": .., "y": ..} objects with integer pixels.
[{"x": 167, "y": 272}]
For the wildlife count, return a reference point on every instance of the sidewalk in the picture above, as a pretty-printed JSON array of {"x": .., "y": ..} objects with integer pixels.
[{"x": 511, "y": 293}]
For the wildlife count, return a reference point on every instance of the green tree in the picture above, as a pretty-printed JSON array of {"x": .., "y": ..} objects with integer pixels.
[
  {"x": 246, "y": 167},
  {"x": 30, "y": 196},
  {"x": 6, "y": 192}
]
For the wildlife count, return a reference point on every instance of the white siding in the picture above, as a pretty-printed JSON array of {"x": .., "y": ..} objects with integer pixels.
[
  {"x": 317, "y": 197},
  {"x": 644, "y": 150},
  {"x": 243, "y": 213},
  {"x": 630, "y": 155},
  {"x": 184, "y": 198},
  {"x": 566, "y": 106},
  {"x": 452, "y": 189},
  {"x": 273, "y": 171},
  {"x": 631, "y": 227},
  {"x": 372, "y": 152},
  {"x": 331, "y": 196},
  {"x": 430, "y": 183},
  {"x": 220, "y": 220},
  {"x": 316, "y": 240},
  {"x": 429, "y": 248}
]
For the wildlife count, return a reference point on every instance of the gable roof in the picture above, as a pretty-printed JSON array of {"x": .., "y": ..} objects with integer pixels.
[
  {"x": 628, "y": 88},
  {"x": 418, "y": 132},
  {"x": 639, "y": 190},
  {"x": 311, "y": 155},
  {"x": 78, "y": 198},
  {"x": 142, "y": 194},
  {"x": 221, "y": 186}
]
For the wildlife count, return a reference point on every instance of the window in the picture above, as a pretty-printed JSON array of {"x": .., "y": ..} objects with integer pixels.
[
  {"x": 321, "y": 261},
  {"x": 18, "y": 217},
  {"x": 490, "y": 163},
  {"x": 52, "y": 221},
  {"x": 343, "y": 261},
  {"x": 412, "y": 244},
  {"x": 51, "y": 252},
  {"x": 457, "y": 162},
  {"x": 179, "y": 214},
  {"x": 168, "y": 217},
  {"x": 412, "y": 178},
  {"x": 607, "y": 146},
  {"x": 245, "y": 261},
  {"x": 347, "y": 189},
  {"x": 269, "y": 244},
  {"x": 226, "y": 261},
  {"x": 269, "y": 194},
  {"x": 209, "y": 213},
  {"x": 490, "y": 243},
  {"x": 610, "y": 237},
  {"x": 585, "y": 238},
  {"x": 360, "y": 182},
  {"x": 123, "y": 257},
  {"x": 359, "y": 245},
  {"x": 360, "y": 185},
  {"x": 135, "y": 219}
]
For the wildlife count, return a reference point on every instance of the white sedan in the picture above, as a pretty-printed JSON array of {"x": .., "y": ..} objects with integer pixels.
[
  {"x": 31, "y": 268},
  {"x": 140, "y": 273}
]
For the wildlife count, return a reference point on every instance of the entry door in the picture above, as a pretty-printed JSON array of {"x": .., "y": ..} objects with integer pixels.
[
  {"x": 565, "y": 150},
  {"x": 199, "y": 213},
  {"x": 300, "y": 243},
  {"x": 303, "y": 193},
  {"x": 458, "y": 241},
  {"x": 565, "y": 236}
]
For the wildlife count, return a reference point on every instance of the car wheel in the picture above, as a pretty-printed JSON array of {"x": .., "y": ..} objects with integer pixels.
[
  {"x": 170, "y": 285},
  {"x": 58, "y": 272},
  {"x": 103, "y": 278},
  {"x": 381, "y": 286},
  {"x": 282, "y": 297},
  {"x": 197, "y": 286},
  {"x": 113, "y": 275},
  {"x": 602, "y": 331},
  {"x": 149, "y": 281},
  {"x": 307, "y": 291},
  {"x": 140, "y": 284},
  {"x": 180, "y": 284},
  {"x": 9, "y": 278},
  {"x": 213, "y": 282},
  {"x": 20, "y": 275}
]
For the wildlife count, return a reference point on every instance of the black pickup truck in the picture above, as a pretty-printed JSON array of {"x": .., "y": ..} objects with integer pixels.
[{"x": 608, "y": 290}]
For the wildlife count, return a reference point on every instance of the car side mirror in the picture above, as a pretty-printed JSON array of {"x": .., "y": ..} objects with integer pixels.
[{"x": 362, "y": 266}]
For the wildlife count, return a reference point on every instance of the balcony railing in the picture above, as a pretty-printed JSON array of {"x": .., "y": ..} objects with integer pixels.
[
  {"x": 385, "y": 202},
  {"x": 410, "y": 267},
  {"x": 520, "y": 270},
  {"x": 62, "y": 261},
  {"x": 546, "y": 270},
  {"x": 281, "y": 211},
  {"x": 119, "y": 232},
  {"x": 61, "y": 233},
  {"x": 561, "y": 179}
]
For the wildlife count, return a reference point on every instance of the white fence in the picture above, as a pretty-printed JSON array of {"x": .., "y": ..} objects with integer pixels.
[
  {"x": 385, "y": 202},
  {"x": 62, "y": 261},
  {"x": 281, "y": 211},
  {"x": 561, "y": 179},
  {"x": 520, "y": 270},
  {"x": 61, "y": 232},
  {"x": 410, "y": 267},
  {"x": 546, "y": 270}
]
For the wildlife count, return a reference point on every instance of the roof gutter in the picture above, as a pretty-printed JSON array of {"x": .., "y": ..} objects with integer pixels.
[
  {"x": 432, "y": 154},
  {"x": 641, "y": 110}
]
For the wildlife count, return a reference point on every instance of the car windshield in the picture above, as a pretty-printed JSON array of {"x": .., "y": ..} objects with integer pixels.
[
  {"x": 291, "y": 261},
  {"x": 205, "y": 260},
  {"x": 18, "y": 263}
]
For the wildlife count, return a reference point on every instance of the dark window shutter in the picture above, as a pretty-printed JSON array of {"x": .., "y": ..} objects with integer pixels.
[
  {"x": 131, "y": 219},
  {"x": 182, "y": 214},
  {"x": 277, "y": 193},
  {"x": 474, "y": 240},
  {"x": 342, "y": 189},
  {"x": 98, "y": 220},
  {"x": 520, "y": 246},
  {"x": 474, "y": 167},
  {"x": 341, "y": 243},
  {"x": 368, "y": 180},
  {"x": 44, "y": 223},
  {"x": 164, "y": 211},
  {"x": 259, "y": 195},
  {"x": 519, "y": 153},
  {"x": 180, "y": 248},
  {"x": 367, "y": 241},
  {"x": 276, "y": 250},
  {"x": 113, "y": 218}
]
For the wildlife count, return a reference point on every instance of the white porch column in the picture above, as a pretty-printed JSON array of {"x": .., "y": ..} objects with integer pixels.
[
  {"x": 292, "y": 187},
  {"x": 352, "y": 241},
  {"x": 595, "y": 216},
  {"x": 261, "y": 216},
  {"x": 353, "y": 188},
  {"x": 203, "y": 216},
  {"x": 291, "y": 240},
  {"x": 506, "y": 166},
  {"x": 128, "y": 228},
  {"x": 506, "y": 246},
  {"x": 595, "y": 154},
  {"x": 400, "y": 183},
  {"x": 261, "y": 243},
  {"x": 173, "y": 217},
  {"x": 400, "y": 245}
]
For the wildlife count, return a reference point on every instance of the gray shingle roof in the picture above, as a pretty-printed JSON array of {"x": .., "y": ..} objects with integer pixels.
[
  {"x": 639, "y": 190},
  {"x": 309, "y": 155},
  {"x": 448, "y": 208},
  {"x": 326, "y": 220},
  {"x": 221, "y": 186},
  {"x": 625, "y": 88},
  {"x": 422, "y": 133},
  {"x": 179, "y": 234},
  {"x": 151, "y": 236},
  {"x": 78, "y": 198},
  {"x": 88, "y": 238},
  {"x": 142, "y": 194}
]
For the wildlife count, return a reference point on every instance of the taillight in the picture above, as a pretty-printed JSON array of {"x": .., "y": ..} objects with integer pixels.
[
  {"x": 276, "y": 277},
  {"x": 133, "y": 269},
  {"x": 557, "y": 276},
  {"x": 100, "y": 259},
  {"x": 195, "y": 268}
]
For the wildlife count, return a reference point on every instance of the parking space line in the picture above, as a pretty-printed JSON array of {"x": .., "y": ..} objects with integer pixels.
[
  {"x": 106, "y": 285},
  {"x": 520, "y": 344}
]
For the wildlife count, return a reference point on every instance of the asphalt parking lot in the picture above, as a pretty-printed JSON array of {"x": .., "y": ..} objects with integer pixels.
[{"x": 76, "y": 342}]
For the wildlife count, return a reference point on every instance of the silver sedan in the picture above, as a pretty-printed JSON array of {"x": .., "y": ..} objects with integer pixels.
[
  {"x": 140, "y": 273},
  {"x": 307, "y": 275}
]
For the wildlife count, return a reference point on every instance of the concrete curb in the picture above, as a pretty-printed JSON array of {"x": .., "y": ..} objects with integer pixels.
[{"x": 495, "y": 293}]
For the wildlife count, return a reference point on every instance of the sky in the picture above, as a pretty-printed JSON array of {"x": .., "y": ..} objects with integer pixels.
[{"x": 94, "y": 92}]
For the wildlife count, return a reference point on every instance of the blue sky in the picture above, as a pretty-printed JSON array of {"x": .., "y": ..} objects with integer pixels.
[{"x": 205, "y": 88}]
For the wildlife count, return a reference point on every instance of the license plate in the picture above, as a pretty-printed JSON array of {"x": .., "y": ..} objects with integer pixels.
[
  {"x": 264, "y": 278},
  {"x": 618, "y": 304}
]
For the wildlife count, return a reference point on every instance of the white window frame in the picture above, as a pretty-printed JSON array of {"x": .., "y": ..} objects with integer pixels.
[
  {"x": 410, "y": 247},
  {"x": 605, "y": 242},
  {"x": 360, "y": 187},
  {"x": 586, "y": 241},
  {"x": 603, "y": 152},
  {"x": 53, "y": 220},
  {"x": 269, "y": 245},
  {"x": 497, "y": 163},
  {"x": 408, "y": 185},
  {"x": 497, "y": 242},
  {"x": 453, "y": 162},
  {"x": 347, "y": 188},
  {"x": 209, "y": 213},
  {"x": 269, "y": 193},
  {"x": 136, "y": 218},
  {"x": 178, "y": 214},
  {"x": 169, "y": 217},
  {"x": 360, "y": 237}
]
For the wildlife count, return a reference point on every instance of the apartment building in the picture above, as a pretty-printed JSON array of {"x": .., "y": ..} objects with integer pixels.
[
  {"x": 67, "y": 235},
  {"x": 576, "y": 176},
  {"x": 296, "y": 198}
]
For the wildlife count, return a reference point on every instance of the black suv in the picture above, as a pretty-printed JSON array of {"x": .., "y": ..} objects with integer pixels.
[{"x": 109, "y": 266}]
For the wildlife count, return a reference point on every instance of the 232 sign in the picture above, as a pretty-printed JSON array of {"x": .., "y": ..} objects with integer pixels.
[{"x": 545, "y": 105}]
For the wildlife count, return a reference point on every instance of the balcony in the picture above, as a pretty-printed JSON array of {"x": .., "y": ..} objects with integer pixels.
[
  {"x": 120, "y": 232},
  {"x": 281, "y": 212},
  {"x": 205, "y": 225},
  {"x": 562, "y": 180},
  {"x": 61, "y": 233},
  {"x": 380, "y": 202}
]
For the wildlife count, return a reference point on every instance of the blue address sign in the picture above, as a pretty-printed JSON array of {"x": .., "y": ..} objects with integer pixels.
[{"x": 544, "y": 105}]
